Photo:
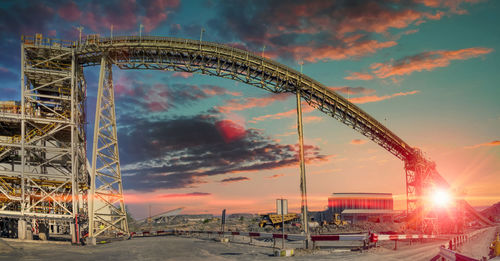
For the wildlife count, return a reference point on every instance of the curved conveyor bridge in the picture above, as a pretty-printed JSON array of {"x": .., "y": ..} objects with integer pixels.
[{"x": 52, "y": 76}]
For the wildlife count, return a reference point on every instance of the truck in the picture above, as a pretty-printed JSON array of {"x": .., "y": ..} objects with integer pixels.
[{"x": 276, "y": 221}]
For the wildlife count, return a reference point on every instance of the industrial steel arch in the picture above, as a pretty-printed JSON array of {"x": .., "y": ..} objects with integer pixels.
[
  {"x": 52, "y": 78},
  {"x": 174, "y": 54}
]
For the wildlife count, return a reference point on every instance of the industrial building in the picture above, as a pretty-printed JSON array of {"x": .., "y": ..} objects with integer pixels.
[{"x": 362, "y": 206}]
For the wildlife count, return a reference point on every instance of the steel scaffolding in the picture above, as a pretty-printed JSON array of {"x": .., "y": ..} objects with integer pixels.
[{"x": 42, "y": 164}]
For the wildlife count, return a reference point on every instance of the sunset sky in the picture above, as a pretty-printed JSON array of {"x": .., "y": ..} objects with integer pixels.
[{"x": 426, "y": 69}]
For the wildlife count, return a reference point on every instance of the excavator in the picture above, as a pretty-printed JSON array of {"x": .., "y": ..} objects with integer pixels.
[{"x": 337, "y": 221}]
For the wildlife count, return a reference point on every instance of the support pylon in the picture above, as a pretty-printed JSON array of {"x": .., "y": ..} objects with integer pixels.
[
  {"x": 303, "y": 186},
  {"x": 107, "y": 215}
]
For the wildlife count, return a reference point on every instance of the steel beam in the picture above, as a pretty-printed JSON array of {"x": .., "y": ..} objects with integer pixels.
[{"x": 303, "y": 185}]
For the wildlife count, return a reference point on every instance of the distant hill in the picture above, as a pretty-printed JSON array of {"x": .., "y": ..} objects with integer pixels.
[{"x": 492, "y": 212}]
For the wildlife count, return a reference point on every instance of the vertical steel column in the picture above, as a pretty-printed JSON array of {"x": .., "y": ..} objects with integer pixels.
[
  {"x": 303, "y": 187},
  {"x": 23, "y": 127},
  {"x": 74, "y": 169},
  {"x": 91, "y": 195},
  {"x": 106, "y": 181}
]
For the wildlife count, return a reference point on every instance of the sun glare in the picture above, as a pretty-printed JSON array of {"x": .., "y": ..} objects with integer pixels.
[{"x": 441, "y": 198}]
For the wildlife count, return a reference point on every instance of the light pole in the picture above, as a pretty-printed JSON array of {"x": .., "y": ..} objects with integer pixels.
[
  {"x": 80, "y": 28},
  {"x": 201, "y": 33},
  {"x": 140, "y": 31}
]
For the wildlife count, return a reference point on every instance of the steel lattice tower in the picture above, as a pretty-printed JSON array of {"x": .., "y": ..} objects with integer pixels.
[{"x": 107, "y": 213}]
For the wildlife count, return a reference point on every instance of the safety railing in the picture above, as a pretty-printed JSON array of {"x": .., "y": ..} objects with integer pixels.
[
  {"x": 39, "y": 40},
  {"x": 16, "y": 139}
]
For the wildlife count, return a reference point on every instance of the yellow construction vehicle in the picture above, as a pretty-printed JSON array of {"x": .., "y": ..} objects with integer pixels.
[
  {"x": 337, "y": 221},
  {"x": 275, "y": 219},
  {"x": 495, "y": 248}
]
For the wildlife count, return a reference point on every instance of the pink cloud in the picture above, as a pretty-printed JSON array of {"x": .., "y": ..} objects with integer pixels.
[
  {"x": 230, "y": 130},
  {"x": 123, "y": 16},
  {"x": 156, "y": 12},
  {"x": 132, "y": 197},
  {"x": 69, "y": 11},
  {"x": 487, "y": 144},
  {"x": 123, "y": 86},
  {"x": 157, "y": 98},
  {"x": 358, "y": 142},
  {"x": 359, "y": 76},
  {"x": 184, "y": 75},
  {"x": 248, "y": 103},
  {"x": 427, "y": 61},
  {"x": 375, "y": 98}
]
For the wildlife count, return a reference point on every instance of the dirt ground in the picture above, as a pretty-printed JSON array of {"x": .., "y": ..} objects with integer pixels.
[
  {"x": 479, "y": 246},
  {"x": 183, "y": 248}
]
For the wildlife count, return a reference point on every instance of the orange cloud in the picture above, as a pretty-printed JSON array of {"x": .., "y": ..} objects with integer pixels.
[
  {"x": 248, "y": 103},
  {"x": 487, "y": 144},
  {"x": 359, "y": 76},
  {"x": 281, "y": 115},
  {"x": 380, "y": 21},
  {"x": 358, "y": 142},
  {"x": 132, "y": 197},
  {"x": 219, "y": 91},
  {"x": 353, "y": 90},
  {"x": 425, "y": 61},
  {"x": 358, "y": 49},
  {"x": 453, "y": 5},
  {"x": 375, "y": 98},
  {"x": 309, "y": 119}
]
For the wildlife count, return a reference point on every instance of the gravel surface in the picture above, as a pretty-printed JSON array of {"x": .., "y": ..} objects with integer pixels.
[{"x": 183, "y": 248}]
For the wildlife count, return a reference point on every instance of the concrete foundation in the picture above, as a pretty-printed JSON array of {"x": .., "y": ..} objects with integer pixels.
[
  {"x": 21, "y": 229},
  {"x": 91, "y": 241}
]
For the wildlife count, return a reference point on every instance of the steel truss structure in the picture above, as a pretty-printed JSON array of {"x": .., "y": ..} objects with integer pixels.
[
  {"x": 107, "y": 187},
  {"x": 43, "y": 171},
  {"x": 42, "y": 163}
]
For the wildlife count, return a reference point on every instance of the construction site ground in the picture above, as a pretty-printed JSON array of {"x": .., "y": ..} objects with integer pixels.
[
  {"x": 252, "y": 225},
  {"x": 189, "y": 248}
]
